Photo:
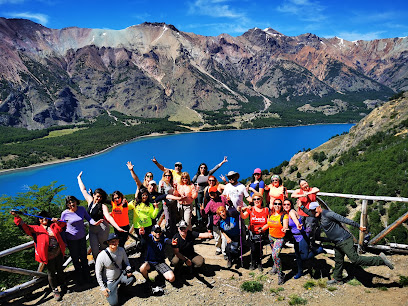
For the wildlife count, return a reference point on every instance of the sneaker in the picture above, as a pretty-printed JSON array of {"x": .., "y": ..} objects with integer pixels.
[
  {"x": 225, "y": 257},
  {"x": 229, "y": 264},
  {"x": 252, "y": 266},
  {"x": 260, "y": 268},
  {"x": 57, "y": 295},
  {"x": 297, "y": 276},
  {"x": 387, "y": 262},
  {"x": 273, "y": 271},
  {"x": 157, "y": 290},
  {"x": 217, "y": 252},
  {"x": 334, "y": 282}
]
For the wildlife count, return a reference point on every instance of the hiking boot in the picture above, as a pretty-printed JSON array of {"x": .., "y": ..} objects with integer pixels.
[
  {"x": 157, "y": 290},
  {"x": 225, "y": 256},
  {"x": 387, "y": 262},
  {"x": 281, "y": 278},
  {"x": 334, "y": 282},
  {"x": 252, "y": 266},
  {"x": 229, "y": 264},
  {"x": 57, "y": 295},
  {"x": 273, "y": 271}
]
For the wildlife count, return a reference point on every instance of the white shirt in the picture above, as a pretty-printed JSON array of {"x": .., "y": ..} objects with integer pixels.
[{"x": 236, "y": 193}]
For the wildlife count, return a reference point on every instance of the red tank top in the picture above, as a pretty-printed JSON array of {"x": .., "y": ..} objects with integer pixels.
[
  {"x": 257, "y": 219},
  {"x": 306, "y": 202}
]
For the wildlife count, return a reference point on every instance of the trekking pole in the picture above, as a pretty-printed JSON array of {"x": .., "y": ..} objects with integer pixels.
[
  {"x": 240, "y": 237},
  {"x": 40, "y": 217},
  {"x": 260, "y": 250}
]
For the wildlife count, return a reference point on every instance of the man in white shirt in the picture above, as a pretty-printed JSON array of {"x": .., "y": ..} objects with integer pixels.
[
  {"x": 235, "y": 191},
  {"x": 108, "y": 269}
]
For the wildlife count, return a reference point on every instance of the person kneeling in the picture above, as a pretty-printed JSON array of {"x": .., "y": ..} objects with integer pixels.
[
  {"x": 155, "y": 257},
  {"x": 228, "y": 224},
  {"x": 108, "y": 272},
  {"x": 183, "y": 247}
]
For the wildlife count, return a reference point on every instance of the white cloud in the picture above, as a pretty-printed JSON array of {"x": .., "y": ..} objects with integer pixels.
[
  {"x": 214, "y": 8},
  {"x": 352, "y": 36},
  {"x": 37, "y": 17},
  {"x": 219, "y": 28},
  {"x": 306, "y": 10}
]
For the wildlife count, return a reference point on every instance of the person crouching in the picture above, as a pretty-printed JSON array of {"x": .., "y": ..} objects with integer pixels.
[{"x": 108, "y": 269}]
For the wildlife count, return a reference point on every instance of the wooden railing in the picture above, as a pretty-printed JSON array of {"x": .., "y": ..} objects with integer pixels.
[{"x": 401, "y": 248}]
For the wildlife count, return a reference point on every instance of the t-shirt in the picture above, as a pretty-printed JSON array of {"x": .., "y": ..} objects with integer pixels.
[
  {"x": 257, "y": 219},
  {"x": 155, "y": 249},
  {"x": 212, "y": 207},
  {"x": 75, "y": 223},
  {"x": 236, "y": 194},
  {"x": 120, "y": 213},
  {"x": 176, "y": 176},
  {"x": 143, "y": 214},
  {"x": 275, "y": 226},
  {"x": 202, "y": 180},
  {"x": 229, "y": 226},
  {"x": 256, "y": 186},
  {"x": 105, "y": 270},
  {"x": 186, "y": 246}
]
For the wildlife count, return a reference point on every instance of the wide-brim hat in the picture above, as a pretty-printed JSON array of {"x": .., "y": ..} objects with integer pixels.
[
  {"x": 232, "y": 173},
  {"x": 111, "y": 236}
]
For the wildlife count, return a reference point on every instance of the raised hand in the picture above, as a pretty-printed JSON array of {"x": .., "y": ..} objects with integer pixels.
[
  {"x": 79, "y": 175},
  {"x": 299, "y": 226},
  {"x": 129, "y": 165},
  {"x": 141, "y": 231},
  {"x": 154, "y": 159},
  {"x": 174, "y": 241}
]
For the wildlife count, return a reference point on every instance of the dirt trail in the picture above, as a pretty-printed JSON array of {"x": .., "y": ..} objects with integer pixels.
[{"x": 376, "y": 286}]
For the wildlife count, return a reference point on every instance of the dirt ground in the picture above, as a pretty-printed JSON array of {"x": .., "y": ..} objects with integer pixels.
[{"x": 219, "y": 285}]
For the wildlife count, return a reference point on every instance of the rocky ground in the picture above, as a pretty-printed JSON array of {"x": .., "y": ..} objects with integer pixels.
[{"x": 368, "y": 286}]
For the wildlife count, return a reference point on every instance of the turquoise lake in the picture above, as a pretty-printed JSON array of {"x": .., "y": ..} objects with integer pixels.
[{"x": 246, "y": 150}]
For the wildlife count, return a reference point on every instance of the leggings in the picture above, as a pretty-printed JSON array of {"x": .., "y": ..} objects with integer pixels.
[
  {"x": 276, "y": 245},
  {"x": 55, "y": 271},
  {"x": 97, "y": 236},
  {"x": 123, "y": 236}
]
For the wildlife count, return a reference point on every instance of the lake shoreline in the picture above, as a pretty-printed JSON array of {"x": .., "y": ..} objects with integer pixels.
[{"x": 59, "y": 161}]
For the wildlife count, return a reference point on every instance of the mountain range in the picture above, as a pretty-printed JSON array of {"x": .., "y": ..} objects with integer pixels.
[{"x": 63, "y": 76}]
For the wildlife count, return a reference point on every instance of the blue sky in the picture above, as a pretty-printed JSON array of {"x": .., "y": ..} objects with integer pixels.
[{"x": 351, "y": 20}]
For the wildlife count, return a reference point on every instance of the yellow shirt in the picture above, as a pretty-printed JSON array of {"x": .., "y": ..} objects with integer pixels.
[
  {"x": 275, "y": 226},
  {"x": 143, "y": 214}
]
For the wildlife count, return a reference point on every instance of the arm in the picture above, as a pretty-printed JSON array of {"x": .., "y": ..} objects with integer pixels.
[
  {"x": 285, "y": 224},
  {"x": 261, "y": 187},
  {"x": 110, "y": 219},
  {"x": 217, "y": 166},
  {"x": 98, "y": 273},
  {"x": 332, "y": 215},
  {"x": 228, "y": 239},
  {"x": 194, "y": 193},
  {"x": 244, "y": 212},
  {"x": 134, "y": 176},
  {"x": 205, "y": 235},
  {"x": 296, "y": 194},
  {"x": 160, "y": 166},
  {"x": 154, "y": 212},
  {"x": 294, "y": 216},
  {"x": 85, "y": 193},
  {"x": 306, "y": 211}
]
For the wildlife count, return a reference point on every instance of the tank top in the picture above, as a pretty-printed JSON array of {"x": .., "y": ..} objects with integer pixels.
[
  {"x": 95, "y": 211},
  {"x": 277, "y": 192},
  {"x": 257, "y": 219},
  {"x": 120, "y": 214},
  {"x": 275, "y": 226},
  {"x": 306, "y": 202}
]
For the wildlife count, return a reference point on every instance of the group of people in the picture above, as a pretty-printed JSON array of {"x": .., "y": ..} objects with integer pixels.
[{"x": 269, "y": 217}]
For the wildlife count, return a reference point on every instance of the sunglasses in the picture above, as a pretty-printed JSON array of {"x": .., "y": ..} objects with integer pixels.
[
  {"x": 286, "y": 204},
  {"x": 212, "y": 180},
  {"x": 149, "y": 175},
  {"x": 275, "y": 180},
  {"x": 167, "y": 175},
  {"x": 183, "y": 228},
  {"x": 178, "y": 166},
  {"x": 257, "y": 199},
  {"x": 277, "y": 203},
  {"x": 184, "y": 178}
]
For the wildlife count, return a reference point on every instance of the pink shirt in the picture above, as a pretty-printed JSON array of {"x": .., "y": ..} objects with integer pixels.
[{"x": 188, "y": 191}]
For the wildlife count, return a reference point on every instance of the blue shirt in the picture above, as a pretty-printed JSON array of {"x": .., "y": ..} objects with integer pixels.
[
  {"x": 230, "y": 226},
  {"x": 155, "y": 249}
]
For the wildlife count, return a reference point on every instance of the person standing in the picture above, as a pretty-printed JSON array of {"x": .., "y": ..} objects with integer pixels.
[
  {"x": 256, "y": 184},
  {"x": 176, "y": 171},
  {"x": 330, "y": 223},
  {"x": 109, "y": 269},
  {"x": 235, "y": 191},
  {"x": 188, "y": 192},
  {"x": 49, "y": 248},
  {"x": 120, "y": 215}
]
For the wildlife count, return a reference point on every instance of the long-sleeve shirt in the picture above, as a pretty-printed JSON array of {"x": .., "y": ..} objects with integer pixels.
[
  {"x": 202, "y": 180},
  {"x": 330, "y": 222},
  {"x": 143, "y": 214},
  {"x": 112, "y": 273},
  {"x": 212, "y": 207}
]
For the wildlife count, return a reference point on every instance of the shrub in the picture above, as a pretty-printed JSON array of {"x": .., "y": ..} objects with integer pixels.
[
  {"x": 252, "y": 286},
  {"x": 297, "y": 300},
  {"x": 309, "y": 284}
]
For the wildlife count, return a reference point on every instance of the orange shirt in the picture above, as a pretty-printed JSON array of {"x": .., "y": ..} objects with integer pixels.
[
  {"x": 277, "y": 192},
  {"x": 120, "y": 214},
  {"x": 275, "y": 226}
]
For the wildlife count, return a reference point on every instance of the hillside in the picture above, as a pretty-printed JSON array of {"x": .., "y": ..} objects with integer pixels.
[{"x": 54, "y": 77}]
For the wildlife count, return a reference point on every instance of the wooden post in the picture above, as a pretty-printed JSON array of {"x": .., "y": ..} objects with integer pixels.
[
  {"x": 22, "y": 271},
  {"x": 363, "y": 222},
  {"x": 391, "y": 227}
]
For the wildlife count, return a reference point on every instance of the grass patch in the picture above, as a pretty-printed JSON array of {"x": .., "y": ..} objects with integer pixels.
[
  {"x": 64, "y": 132},
  {"x": 252, "y": 274},
  {"x": 322, "y": 283},
  {"x": 297, "y": 300},
  {"x": 276, "y": 290},
  {"x": 331, "y": 288},
  {"x": 354, "y": 282},
  {"x": 403, "y": 281},
  {"x": 280, "y": 298},
  {"x": 382, "y": 288},
  {"x": 232, "y": 277},
  {"x": 261, "y": 277},
  {"x": 309, "y": 285},
  {"x": 252, "y": 286}
]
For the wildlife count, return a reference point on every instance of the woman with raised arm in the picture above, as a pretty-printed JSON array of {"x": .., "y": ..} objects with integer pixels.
[
  {"x": 49, "y": 248},
  {"x": 258, "y": 217},
  {"x": 201, "y": 180},
  {"x": 98, "y": 210},
  {"x": 188, "y": 192},
  {"x": 75, "y": 234},
  {"x": 166, "y": 186},
  {"x": 278, "y": 223},
  {"x": 257, "y": 184},
  {"x": 301, "y": 239},
  {"x": 276, "y": 190}
]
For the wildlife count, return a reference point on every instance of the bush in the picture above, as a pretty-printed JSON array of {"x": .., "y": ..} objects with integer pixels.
[
  {"x": 297, "y": 300},
  {"x": 252, "y": 286}
]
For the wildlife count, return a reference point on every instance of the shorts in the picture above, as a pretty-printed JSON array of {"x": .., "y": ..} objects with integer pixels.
[{"x": 161, "y": 267}]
